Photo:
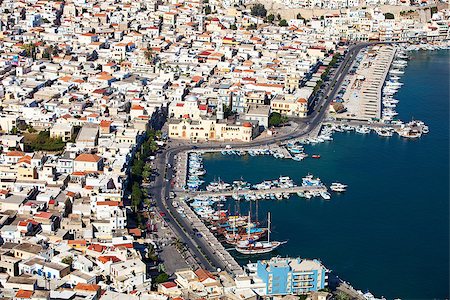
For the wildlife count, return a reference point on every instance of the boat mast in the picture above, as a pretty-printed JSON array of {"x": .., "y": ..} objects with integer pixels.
[
  {"x": 234, "y": 228},
  {"x": 268, "y": 227},
  {"x": 248, "y": 227},
  {"x": 256, "y": 213}
]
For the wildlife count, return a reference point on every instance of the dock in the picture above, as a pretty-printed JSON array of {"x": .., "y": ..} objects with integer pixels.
[
  {"x": 212, "y": 242},
  {"x": 355, "y": 123},
  {"x": 291, "y": 190}
]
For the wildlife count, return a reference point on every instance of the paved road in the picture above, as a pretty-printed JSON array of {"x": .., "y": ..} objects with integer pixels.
[{"x": 201, "y": 251}]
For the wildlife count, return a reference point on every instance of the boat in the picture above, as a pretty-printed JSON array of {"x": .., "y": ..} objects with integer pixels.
[
  {"x": 396, "y": 72},
  {"x": 296, "y": 149},
  {"x": 338, "y": 187},
  {"x": 362, "y": 129},
  {"x": 409, "y": 133},
  {"x": 315, "y": 156},
  {"x": 251, "y": 247},
  {"x": 384, "y": 132},
  {"x": 310, "y": 181},
  {"x": 325, "y": 195}
]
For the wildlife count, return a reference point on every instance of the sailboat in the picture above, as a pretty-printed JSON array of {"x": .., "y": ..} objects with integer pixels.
[{"x": 250, "y": 247}]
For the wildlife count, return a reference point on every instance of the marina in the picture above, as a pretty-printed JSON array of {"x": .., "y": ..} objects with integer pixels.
[
  {"x": 366, "y": 163},
  {"x": 209, "y": 206}
]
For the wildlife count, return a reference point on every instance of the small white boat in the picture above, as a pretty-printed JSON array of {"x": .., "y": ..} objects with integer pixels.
[{"x": 325, "y": 195}]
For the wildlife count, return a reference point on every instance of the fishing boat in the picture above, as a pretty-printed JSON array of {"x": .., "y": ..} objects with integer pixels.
[
  {"x": 315, "y": 156},
  {"x": 296, "y": 149},
  {"x": 362, "y": 129},
  {"x": 251, "y": 247},
  {"x": 384, "y": 132}
]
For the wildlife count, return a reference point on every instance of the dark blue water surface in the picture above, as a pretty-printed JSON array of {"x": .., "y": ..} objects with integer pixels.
[{"x": 390, "y": 231}]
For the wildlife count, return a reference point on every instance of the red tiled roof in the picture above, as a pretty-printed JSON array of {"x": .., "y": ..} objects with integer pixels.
[
  {"x": 76, "y": 242},
  {"x": 105, "y": 258},
  {"x": 88, "y": 157},
  {"x": 15, "y": 153},
  {"x": 24, "y": 294},
  {"x": 169, "y": 284},
  {"x": 87, "y": 287},
  {"x": 203, "y": 274},
  {"x": 96, "y": 247}
]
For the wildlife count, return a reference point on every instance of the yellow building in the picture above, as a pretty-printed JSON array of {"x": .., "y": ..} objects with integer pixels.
[
  {"x": 289, "y": 105},
  {"x": 62, "y": 130},
  {"x": 211, "y": 130},
  {"x": 25, "y": 171},
  {"x": 292, "y": 81}
]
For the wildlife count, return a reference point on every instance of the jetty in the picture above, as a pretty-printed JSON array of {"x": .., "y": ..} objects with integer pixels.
[{"x": 229, "y": 193}]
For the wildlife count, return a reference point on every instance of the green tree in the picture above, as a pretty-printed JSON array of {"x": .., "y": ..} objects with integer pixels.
[
  {"x": 389, "y": 16},
  {"x": 163, "y": 277},
  {"x": 30, "y": 50},
  {"x": 147, "y": 172},
  {"x": 299, "y": 16},
  {"x": 14, "y": 130},
  {"x": 278, "y": 17},
  {"x": 207, "y": 10},
  {"x": 233, "y": 27},
  {"x": 276, "y": 119},
  {"x": 136, "y": 195},
  {"x": 270, "y": 18},
  {"x": 137, "y": 168},
  {"x": 258, "y": 10},
  {"x": 68, "y": 260},
  {"x": 43, "y": 142},
  {"x": 342, "y": 296},
  {"x": 151, "y": 253},
  {"x": 283, "y": 23}
]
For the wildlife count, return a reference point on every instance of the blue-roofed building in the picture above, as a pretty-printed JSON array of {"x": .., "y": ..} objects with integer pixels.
[{"x": 291, "y": 276}]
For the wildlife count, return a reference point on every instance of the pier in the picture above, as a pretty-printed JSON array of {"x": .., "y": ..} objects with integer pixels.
[
  {"x": 291, "y": 190},
  {"x": 355, "y": 123}
]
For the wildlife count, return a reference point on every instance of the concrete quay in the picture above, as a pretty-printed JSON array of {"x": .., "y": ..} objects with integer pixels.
[
  {"x": 364, "y": 93},
  {"x": 209, "y": 240},
  {"x": 291, "y": 190},
  {"x": 354, "y": 123}
]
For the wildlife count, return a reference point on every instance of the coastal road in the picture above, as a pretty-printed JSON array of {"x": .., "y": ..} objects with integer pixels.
[{"x": 201, "y": 251}]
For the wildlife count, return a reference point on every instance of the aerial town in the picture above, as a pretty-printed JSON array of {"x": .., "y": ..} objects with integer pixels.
[{"x": 105, "y": 107}]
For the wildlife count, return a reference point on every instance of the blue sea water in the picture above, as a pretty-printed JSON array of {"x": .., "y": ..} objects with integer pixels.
[{"x": 389, "y": 232}]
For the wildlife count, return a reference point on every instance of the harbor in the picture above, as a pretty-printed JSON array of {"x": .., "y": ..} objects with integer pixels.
[
  {"x": 209, "y": 206},
  {"x": 380, "y": 173}
]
